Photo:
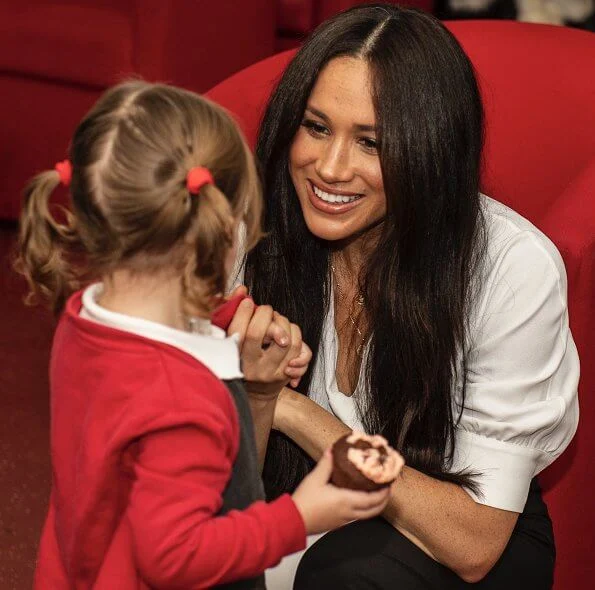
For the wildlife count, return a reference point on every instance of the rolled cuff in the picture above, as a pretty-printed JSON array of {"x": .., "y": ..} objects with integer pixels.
[{"x": 504, "y": 469}]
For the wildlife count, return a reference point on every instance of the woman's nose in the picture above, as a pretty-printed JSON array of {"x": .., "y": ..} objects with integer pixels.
[{"x": 334, "y": 164}]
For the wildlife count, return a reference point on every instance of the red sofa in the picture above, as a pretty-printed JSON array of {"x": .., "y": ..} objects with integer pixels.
[
  {"x": 56, "y": 57},
  {"x": 538, "y": 86}
]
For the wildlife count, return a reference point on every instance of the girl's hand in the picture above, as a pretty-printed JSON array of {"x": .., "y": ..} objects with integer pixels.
[
  {"x": 242, "y": 318},
  {"x": 270, "y": 342},
  {"x": 324, "y": 506},
  {"x": 255, "y": 336}
]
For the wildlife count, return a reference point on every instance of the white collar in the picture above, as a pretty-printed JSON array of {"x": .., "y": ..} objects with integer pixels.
[{"x": 216, "y": 351}]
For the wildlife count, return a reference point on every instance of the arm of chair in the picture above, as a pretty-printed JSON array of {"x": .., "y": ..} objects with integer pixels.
[{"x": 570, "y": 222}]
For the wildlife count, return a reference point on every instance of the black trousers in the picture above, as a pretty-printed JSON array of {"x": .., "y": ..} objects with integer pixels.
[{"x": 372, "y": 555}]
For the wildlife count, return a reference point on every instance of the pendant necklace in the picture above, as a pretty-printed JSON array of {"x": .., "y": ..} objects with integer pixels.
[{"x": 359, "y": 300}]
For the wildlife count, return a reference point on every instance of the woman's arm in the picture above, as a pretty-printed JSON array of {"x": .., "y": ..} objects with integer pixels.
[
  {"x": 520, "y": 409},
  {"x": 272, "y": 353},
  {"x": 263, "y": 410},
  {"x": 439, "y": 517}
]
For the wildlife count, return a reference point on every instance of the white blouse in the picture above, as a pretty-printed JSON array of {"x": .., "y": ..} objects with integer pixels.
[{"x": 521, "y": 405}]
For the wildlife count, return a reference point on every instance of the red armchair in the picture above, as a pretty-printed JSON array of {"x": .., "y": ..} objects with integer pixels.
[
  {"x": 56, "y": 57},
  {"x": 539, "y": 93}
]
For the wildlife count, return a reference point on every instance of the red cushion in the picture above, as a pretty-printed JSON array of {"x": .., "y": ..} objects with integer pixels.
[
  {"x": 80, "y": 44},
  {"x": 539, "y": 90},
  {"x": 245, "y": 93}
]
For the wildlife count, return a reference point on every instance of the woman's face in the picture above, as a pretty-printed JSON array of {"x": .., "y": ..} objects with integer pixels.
[{"x": 333, "y": 160}]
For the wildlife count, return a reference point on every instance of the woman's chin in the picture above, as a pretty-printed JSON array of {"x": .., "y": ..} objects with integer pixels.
[
  {"x": 335, "y": 231},
  {"x": 328, "y": 234}
]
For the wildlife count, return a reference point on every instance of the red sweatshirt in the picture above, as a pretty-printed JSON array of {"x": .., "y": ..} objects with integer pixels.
[{"x": 143, "y": 441}]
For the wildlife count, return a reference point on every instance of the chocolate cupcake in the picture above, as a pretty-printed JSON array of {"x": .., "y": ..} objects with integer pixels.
[{"x": 364, "y": 462}]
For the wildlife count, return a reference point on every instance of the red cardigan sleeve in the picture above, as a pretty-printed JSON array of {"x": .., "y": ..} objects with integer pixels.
[{"x": 178, "y": 541}]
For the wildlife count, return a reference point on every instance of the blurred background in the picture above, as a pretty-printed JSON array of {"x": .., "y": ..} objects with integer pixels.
[
  {"x": 56, "y": 58},
  {"x": 574, "y": 13}
]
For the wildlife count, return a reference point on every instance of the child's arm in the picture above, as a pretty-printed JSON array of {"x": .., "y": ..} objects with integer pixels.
[
  {"x": 178, "y": 540},
  {"x": 180, "y": 475}
]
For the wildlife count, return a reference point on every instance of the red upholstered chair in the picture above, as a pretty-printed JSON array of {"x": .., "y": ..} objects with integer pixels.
[
  {"x": 539, "y": 91},
  {"x": 56, "y": 57}
]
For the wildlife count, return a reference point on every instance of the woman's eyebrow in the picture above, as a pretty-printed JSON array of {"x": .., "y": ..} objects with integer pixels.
[
  {"x": 357, "y": 126},
  {"x": 360, "y": 127},
  {"x": 318, "y": 113}
]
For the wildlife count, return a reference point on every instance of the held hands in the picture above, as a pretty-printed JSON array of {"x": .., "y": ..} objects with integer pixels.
[
  {"x": 273, "y": 354},
  {"x": 271, "y": 348},
  {"x": 324, "y": 506}
]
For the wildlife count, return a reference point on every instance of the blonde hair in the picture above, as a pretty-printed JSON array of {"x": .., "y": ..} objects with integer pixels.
[{"x": 130, "y": 206}]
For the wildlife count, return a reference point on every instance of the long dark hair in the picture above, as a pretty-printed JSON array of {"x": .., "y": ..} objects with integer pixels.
[{"x": 418, "y": 282}]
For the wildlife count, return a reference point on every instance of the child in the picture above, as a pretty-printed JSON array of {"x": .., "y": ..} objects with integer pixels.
[{"x": 155, "y": 473}]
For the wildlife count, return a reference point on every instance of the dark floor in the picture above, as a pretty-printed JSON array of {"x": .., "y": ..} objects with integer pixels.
[{"x": 25, "y": 336}]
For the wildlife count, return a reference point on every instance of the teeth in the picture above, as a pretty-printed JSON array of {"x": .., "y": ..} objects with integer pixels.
[{"x": 330, "y": 198}]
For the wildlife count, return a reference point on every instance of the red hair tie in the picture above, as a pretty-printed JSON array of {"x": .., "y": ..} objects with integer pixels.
[
  {"x": 64, "y": 170},
  {"x": 197, "y": 177}
]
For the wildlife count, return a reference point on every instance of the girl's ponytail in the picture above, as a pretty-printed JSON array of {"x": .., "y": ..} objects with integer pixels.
[
  {"x": 161, "y": 177},
  {"x": 210, "y": 238},
  {"x": 45, "y": 246}
]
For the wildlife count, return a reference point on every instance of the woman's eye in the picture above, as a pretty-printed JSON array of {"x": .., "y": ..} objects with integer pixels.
[
  {"x": 369, "y": 144},
  {"x": 314, "y": 128}
]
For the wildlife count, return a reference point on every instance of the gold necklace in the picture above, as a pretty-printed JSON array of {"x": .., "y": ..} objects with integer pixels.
[{"x": 360, "y": 302}]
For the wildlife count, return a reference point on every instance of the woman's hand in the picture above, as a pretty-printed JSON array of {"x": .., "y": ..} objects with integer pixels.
[
  {"x": 268, "y": 342},
  {"x": 440, "y": 517},
  {"x": 324, "y": 506},
  {"x": 297, "y": 367}
]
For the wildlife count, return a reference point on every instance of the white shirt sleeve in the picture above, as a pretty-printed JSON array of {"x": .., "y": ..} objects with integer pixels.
[{"x": 521, "y": 407}]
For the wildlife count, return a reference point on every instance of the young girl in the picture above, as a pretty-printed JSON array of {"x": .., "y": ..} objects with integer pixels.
[{"x": 155, "y": 472}]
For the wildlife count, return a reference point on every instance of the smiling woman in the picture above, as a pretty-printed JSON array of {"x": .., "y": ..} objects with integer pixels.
[
  {"x": 334, "y": 162},
  {"x": 422, "y": 301}
]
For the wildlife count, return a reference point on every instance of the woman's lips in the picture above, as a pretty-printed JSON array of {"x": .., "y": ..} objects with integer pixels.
[{"x": 331, "y": 208}]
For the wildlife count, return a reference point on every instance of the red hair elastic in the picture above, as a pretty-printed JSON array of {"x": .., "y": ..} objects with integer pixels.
[
  {"x": 197, "y": 177},
  {"x": 64, "y": 170}
]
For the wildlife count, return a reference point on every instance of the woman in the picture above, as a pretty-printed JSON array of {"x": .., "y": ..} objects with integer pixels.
[{"x": 437, "y": 316}]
